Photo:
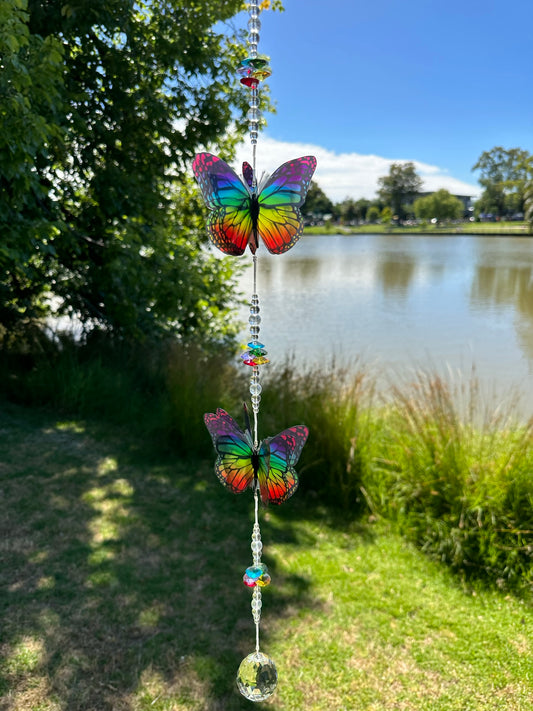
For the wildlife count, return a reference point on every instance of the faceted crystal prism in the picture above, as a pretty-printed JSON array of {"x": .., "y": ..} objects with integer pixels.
[{"x": 257, "y": 677}]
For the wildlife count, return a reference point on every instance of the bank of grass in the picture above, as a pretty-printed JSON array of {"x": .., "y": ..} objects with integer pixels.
[
  {"x": 120, "y": 590},
  {"x": 516, "y": 229},
  {"x": 457, "y": 484}
]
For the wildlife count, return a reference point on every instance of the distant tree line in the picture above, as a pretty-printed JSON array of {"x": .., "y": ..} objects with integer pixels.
[{"x": 506, "y": 176}]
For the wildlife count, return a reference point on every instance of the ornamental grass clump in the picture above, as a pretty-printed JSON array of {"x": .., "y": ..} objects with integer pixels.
[
  {"x": 335, "y": 404},
  {"x": 459, "y": 484}
]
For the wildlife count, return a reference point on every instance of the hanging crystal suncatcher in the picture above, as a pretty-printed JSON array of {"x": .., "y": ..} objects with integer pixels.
[{"x": 241, "y": 212}]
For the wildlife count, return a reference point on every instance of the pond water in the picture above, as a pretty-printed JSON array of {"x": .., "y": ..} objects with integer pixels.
[{"x": 401, "y": 303}]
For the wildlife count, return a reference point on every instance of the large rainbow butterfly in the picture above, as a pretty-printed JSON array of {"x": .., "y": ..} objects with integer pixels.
[
  {"x": 240, "y": 213},
  {"x": 269, "y": 466}
]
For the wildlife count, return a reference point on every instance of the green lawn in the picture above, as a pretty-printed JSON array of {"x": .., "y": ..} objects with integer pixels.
[
  {"x": 517, "y": 229},
  {"x": 120, "y": 590}
]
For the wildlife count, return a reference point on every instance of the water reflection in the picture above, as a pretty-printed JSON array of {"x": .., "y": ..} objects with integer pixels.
[
  {"x": 403, "y": 300},
  {"x": 504, "y": 286},
  {"x": 508, "y": 288},
  {"x": 395, "y": 275}
]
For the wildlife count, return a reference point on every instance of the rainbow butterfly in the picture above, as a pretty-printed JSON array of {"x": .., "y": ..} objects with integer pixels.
[
  {"x": 269, "y": 466},
  {"x": 239, "y": 212}
]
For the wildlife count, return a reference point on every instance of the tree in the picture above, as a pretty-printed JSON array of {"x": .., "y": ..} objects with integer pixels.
[
  {"x": 504, "y": 174},
  {"x": 372, "y": 214},
  {"x": 31, "y": 85},
  {"x": 440, "y": 205},
  {"x": 399, "y": 187},
  {"x": 386, "y": 216},
  {"x": 352, "y": 210},
  {"x": 142, "y": 86},
  {"x": 317, "y": 203}
]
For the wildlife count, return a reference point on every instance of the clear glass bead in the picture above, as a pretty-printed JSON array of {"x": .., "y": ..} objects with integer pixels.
[
  {"x": 255, "y": 388},
  {"x": 254, "y": 23},
  {"x": 254, "y": 330},
  {"x": 256, "y": 603},
  {"x": 257, "y": 546},
  {"x": 254, "y": 37},
  {"x": 254, "y": 320},
  {"x": 254, "y": 115},
  {"x": 257, "y": 677},
  {"x": 254, "y": 309}
]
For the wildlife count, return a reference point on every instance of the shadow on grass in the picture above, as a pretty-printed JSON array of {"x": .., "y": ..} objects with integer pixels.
[{"x": 120, "y": 579}]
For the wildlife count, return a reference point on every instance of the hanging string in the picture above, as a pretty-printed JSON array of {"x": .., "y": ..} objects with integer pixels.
[{"x": 257, "y": 675}]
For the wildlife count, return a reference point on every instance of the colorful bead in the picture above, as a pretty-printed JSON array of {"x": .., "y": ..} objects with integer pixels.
[
  {"x": 262, "y": 74},
  {"x": 256, "y": 575},
  {"x": 250, "y": 81},
  {"x": 256, "y": 62}
]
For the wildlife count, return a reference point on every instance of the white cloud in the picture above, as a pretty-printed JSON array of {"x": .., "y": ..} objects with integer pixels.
[{"x": 342, "y": 175}]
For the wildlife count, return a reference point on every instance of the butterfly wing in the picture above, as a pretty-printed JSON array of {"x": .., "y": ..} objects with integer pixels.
[
  {"x": 234, "y": 464},
  {"x": 277, "y": 458},
  {"x": 228, "y": 200},
  {"x": 280, "y": 222},
  {"x": 248, "y": 173}
]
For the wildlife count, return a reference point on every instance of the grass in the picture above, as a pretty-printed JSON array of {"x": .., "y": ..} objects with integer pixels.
[
  {"x": 457, "y": 484},
  {"x": 516, "y": 229},
  {"x": 120, "y": 589}
]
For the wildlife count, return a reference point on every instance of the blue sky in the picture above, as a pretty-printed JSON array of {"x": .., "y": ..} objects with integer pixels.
[{"x": 364, "y": 84}]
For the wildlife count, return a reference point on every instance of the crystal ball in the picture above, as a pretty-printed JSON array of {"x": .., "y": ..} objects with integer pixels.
[{"x": 257, "y": 677}]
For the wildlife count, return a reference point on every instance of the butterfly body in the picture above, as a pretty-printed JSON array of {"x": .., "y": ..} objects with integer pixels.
[
  {"x": 267, "y": 466},
  {"x": 240, "y": 213}
]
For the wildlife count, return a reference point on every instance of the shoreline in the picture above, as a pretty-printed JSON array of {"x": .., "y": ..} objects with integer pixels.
[{"x": 518, "y": 231}]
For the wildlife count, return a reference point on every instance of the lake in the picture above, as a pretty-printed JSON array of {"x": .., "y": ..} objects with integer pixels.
[{"x": 403, "y": 302}]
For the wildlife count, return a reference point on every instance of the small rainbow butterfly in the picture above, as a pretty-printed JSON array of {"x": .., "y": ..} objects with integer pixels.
[
  {"x": 240, "y": 213},
  {"x": 269, "y": 466}
]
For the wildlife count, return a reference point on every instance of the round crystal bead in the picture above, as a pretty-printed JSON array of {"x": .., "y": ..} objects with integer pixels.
[
  {"x": 254, "y": 115},
  {"x": 257, "y": 677},
  {"x": 255, "y": 388}
]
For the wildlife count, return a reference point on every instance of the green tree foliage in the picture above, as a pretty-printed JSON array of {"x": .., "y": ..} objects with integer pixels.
[
  {"x": 372, "y": 214},
  {"x": 440, "y": 205},
  {"x": 31, "y": 86},
  {"x": 399, "y": 187},
  {"x": 504, "y": 174},
  {"x": 317, "y": 203},
  {"x": 386, "y": 216},
  {"x": 353, "y": 210},
  {"x": 141, "y": 87}
]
